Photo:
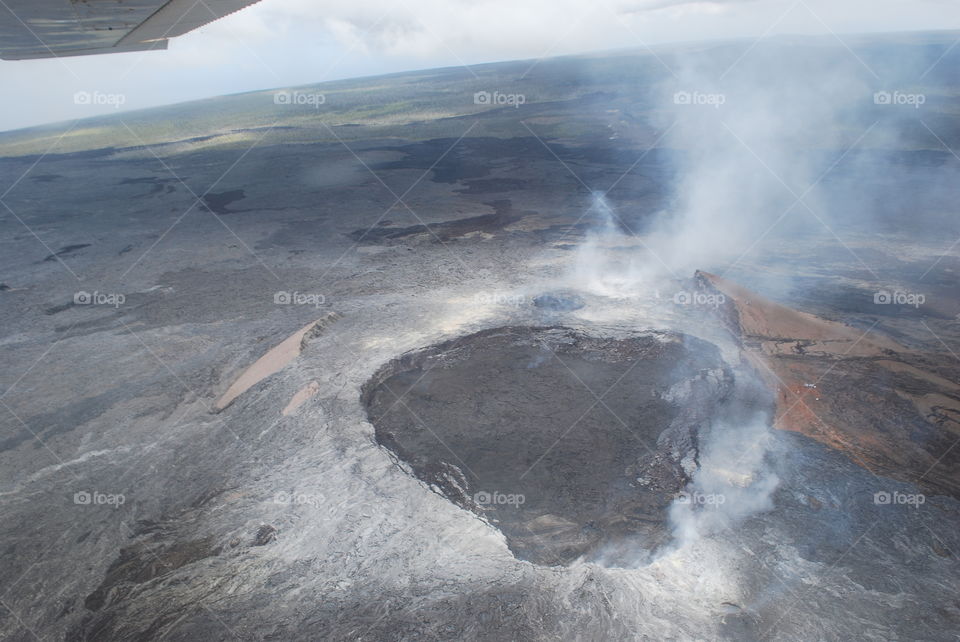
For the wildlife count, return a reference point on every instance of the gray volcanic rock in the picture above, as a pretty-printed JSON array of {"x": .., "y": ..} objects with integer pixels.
[
  {"x": 504, "y": 423},
  {"x": 565, "y": 302}
]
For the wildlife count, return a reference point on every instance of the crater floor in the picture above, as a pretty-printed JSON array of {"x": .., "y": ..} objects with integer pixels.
[{"x": 569, "y": 444}]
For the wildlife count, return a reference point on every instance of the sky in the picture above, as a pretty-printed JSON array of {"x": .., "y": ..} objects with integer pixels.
[{"x": 283, "y": 43}]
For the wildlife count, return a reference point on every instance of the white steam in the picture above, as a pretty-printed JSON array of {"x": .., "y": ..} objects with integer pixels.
[
  {"x": 610, "y": 262},
  {"x": 753, "y": 135},
  {"x": 732, "y": 483},
  {"x": 751, "y": 141}
]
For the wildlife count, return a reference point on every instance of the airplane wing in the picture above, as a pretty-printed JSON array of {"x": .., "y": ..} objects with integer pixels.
[{"x": 57, "y": 28}]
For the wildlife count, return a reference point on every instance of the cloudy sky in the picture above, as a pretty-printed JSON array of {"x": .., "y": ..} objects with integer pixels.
[{"x": 280, "y": 43}]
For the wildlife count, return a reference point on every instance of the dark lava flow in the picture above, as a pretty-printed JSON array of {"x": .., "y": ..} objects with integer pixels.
[{"x": 571, "y": 445}]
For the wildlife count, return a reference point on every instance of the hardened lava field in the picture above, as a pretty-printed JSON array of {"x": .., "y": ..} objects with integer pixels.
[{"x": 570, "y": 444}]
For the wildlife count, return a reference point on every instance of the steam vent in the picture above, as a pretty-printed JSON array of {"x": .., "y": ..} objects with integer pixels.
[{"x": 571, "y": 445}]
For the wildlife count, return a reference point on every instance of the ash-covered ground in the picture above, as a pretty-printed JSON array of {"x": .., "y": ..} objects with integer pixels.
[{"x": 413, "y": 366}]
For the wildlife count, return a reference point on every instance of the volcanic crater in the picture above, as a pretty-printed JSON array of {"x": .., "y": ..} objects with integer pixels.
[{"x": 572, "y": 445}]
